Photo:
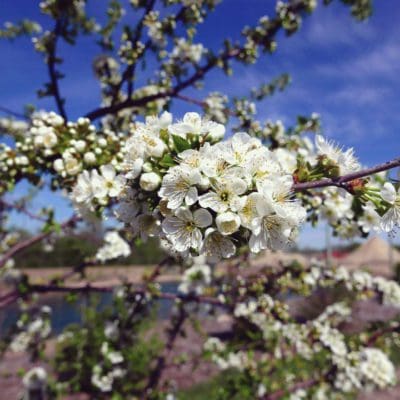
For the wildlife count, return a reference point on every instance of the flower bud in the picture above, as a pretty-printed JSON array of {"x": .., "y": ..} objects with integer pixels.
[
  {"x": 89, "y": 158},
  {"x": 147, "y": 167},
  {"x": 58, "y": 165},
  {"x": 102, "y": 142},
  {"x": 150, "y": 181},
  {"x": 80, "y": 145},
  {"x": 228, "y": 223}
]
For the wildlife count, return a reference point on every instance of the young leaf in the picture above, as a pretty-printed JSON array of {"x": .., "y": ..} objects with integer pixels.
[{"x": 180, "y": 143}]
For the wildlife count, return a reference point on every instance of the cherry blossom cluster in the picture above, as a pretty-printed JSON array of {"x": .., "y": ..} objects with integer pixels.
[
  {"x": 180, "y": 181},
  {"x": 114, "y": 246},
  {"x": 32, "y": 328},
  {"x": 196, "y": 278},
  {"x": 349, "y": 365},
  {"x": 202, "y": 194},
  {"x": 51, "y": 145}
]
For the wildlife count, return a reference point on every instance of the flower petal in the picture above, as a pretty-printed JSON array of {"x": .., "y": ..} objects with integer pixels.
[{"x": 202, "y": 218}]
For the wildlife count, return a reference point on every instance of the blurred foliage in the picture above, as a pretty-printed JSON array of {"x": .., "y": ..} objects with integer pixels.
[
  {"x": 70, "y": 251},
  {"x": 80, "y": 348}
]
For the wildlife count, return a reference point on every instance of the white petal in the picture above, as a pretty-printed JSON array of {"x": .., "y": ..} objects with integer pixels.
[
  {"x": 212, "y": 200},
  {"x": 388, "y": 193},
  {"x": 197, "y": 239},
  {"x": 98, "y": 185},
  {"x": 263, "y": 207},
  {"x": 202, "y": 218},
  {"x": 184, "y": 214},
  {"x": 108, "y": 172},
  {"x": 191, "y": 196},
  {"x": 239, "y": 186},
  {"x": 172, "y": 225},
  {"x": 388, "y": 220},
  {"x": 227, "y": 223},
  {"x": 192, "y": 118},
  {"x": 254, "y": 243}
]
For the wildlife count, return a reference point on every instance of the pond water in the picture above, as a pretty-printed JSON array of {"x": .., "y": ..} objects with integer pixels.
[{"x": 65, "y": 313}]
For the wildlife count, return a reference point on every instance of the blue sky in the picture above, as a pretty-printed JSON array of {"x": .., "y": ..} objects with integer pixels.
[{"x": 348, "y": 72}]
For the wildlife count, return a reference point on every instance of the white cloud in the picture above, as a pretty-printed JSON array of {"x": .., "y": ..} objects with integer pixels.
[
  {"x": 339, "y": 127},
  {"x": 360, "y": 95},
  {"x": 382, "y": 62},
  {"x": 327, "y": 29}
]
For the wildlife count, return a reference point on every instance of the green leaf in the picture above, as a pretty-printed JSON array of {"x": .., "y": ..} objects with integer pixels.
[
  {"x": 167, "y": 161},
  {"x": 181, "y": 144}
]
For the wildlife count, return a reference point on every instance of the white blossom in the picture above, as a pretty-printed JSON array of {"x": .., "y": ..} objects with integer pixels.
[
  {"x": 114, "y": 247},
  {"x": 108, "y": 183},
  {"x": 183, "y": 228},
  {"x": 391, "y": 218}
]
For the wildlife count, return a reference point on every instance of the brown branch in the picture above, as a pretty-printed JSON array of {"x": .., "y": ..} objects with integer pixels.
[
  {"x": 51, "y": 66},
  {"x": 9, "y": 294},
  {"x": 376, "y": 335},
  {"x": 129, "y": 103},
  {"x": 87, "y": 287},
  {"x": 191, "y": 100},
  {"x": 11, "y": 298},
  {"x": 156, "y": 373},
  {"x": 172, "y": 92},
  {"x": 283, "y": 392},
  {"x": 225, "y": 56},
  {"x": 129, "y": 72},
  {"x": 343, "y": 180},
  {"x": 21, "y": 208}
]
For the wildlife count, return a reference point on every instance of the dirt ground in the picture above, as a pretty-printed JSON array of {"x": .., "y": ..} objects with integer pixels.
[{"x": 102, "y": 275}]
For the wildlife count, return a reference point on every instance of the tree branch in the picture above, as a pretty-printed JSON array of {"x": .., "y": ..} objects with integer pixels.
[
  {"x": 376, "y": 335},
  {"x": 201, "y": 103},
  {"x": 13, "y": 113},
  {"x": 51, "y": 66},
  {"x": 283, "y": 392},
  {"x": 127, "y": 75},
  {"x": 21, "y": 208},
  {"x": 343, "y": 180},
  {"x": 226, "y": 55},
  {"x": 155, "y": 375}
]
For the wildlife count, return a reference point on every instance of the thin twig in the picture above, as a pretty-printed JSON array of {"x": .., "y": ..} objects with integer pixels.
[
  {"x": 343, "y": 180},
  {"x": 283, "y": 392},
  {"x": 13, "y": 113},
  {"x": 129, "y": 72},
  {"x": 376, "y": 335},
  {"x": 21, "y": 208},
  {"x": 173, "y": 332},
  {"x": 225, "y": 56},
  {"x": 51, "y": 66}
]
